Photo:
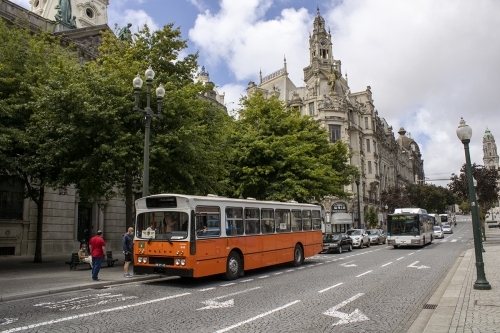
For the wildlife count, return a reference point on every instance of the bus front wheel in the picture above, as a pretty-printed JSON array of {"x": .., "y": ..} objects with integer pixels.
[
  {"x": 233, "y": 266},
  {"x": 298, "y": 255}
]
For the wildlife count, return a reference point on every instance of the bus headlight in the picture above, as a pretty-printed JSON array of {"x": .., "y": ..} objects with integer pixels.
[
  {"x": 145, "y": 259},
  {"x": 183, "y": 262},
  {"x": 139, "y": 259},
  {"x": 177, "y": 262}
]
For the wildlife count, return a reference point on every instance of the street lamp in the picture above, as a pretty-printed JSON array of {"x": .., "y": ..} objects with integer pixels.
[
  {"x": 359, "y": 205},
  {"x": 148, "y": 114},
  {"x": 464, "y": 133}
]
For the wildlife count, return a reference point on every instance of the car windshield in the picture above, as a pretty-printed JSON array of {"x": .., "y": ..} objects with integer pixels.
[
  {"x": 373, "y": 232},
  {"x": 332, "y": 237},
  {"x": 354, "y": 232},
  {"x": 446, "y": 227},
  {"x": 437, "y": 228}
]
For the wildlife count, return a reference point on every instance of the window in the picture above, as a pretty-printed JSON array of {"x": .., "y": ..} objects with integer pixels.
[
  {"x": 489, "y": 145},
  {"x": 334, "y": 133},
  {"x": 282, "y": 220},
  {"x": 207, "y": 221},
  {"x": 369, "y": 166},
  {"x": 311, "y": 109},
  {"x": 267, "y": 221},
  {"x": 252, "y": 221},
  {"x": 296, "y": 220},
  {"x": 316, "y": 220},
  {"x": 368, "y": 149},
  {"x": 234, "y": 221},
  {"x": 366, "y": 123},
  {"x": 89, "y": 12},
  {"x": 306, "y": 220},
  {"x": 11, "y": 198}
]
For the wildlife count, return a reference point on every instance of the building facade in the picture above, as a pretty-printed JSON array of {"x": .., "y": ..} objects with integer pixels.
[
  {"x": 490, "y": 160},
  {"x": 382, "y": 159}
]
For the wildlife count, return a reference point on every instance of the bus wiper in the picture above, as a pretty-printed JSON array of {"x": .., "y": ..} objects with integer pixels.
[
  {"x": 150, "y": 238},
  {"x": 169, "y": 237}
]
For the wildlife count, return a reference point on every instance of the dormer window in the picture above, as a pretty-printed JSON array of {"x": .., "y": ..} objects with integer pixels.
[{"x": 90, "y": 13}]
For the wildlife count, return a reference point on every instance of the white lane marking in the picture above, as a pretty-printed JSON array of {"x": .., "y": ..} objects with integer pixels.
[
  {"x": 453, "y": 240},
  {"x": 418, "y": 267},
  {"x": 400, "y": 258},
  {"x": 247, "y": 280},
  {"x": 263, "y": 277},
  {"x": 228, "y": 284},
  {"x": 411, "y": 253},
  {"x": 86, "y": 301},
  {"x": 83, "y": 315},
  {"x": 214, "y": 304},
  {"x": 278, "y": 273},
  {"x": 290, "y": 270},
  {"x": 207, "y": 289},
  {"x": 256, "y": 317},
  {"x": 7, "y": 321},
  {"x": 386, "y": 264},
  {"x": 326, "y": 289},
  {"x": 346, "y": 318},
  {"x": 364, "y": 273}
]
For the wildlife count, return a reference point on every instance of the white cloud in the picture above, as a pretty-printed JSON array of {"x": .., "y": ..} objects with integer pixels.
[{"x": 233, "y": 93}]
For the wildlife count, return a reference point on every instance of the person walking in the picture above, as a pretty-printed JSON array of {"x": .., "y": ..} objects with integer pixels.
[
  {"x": 128, "y": 247},
  {"x": 98, "y": 253}
]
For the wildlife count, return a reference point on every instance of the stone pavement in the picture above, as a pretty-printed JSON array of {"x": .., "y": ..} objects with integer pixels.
[
  {"x": 458, "y": 306},
  {"x": 454, "y": 307},
  {"x": 21, "y": 278}
]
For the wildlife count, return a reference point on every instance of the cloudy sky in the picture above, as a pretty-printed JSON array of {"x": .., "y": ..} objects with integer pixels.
[{"x": 428, "y": 62}]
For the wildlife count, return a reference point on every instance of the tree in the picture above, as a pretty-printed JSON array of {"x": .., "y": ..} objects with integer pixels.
[
  {"x": 465, "y": 207},
  {"x": 396, "y": 197},
  {"x": 430, "y": 197},
  {"x": 486, "y": 190},
  {"x": 187, "y": 153},
  {"x": 371, "y": 218},
  {"x": 32, "y": 149},
  {"x": 280, "y": 155}
]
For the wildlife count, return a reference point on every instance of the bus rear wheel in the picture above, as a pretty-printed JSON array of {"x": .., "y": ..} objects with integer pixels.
[
  {"x": 233, "y": 266},
  {"x": 298, "y": 256}
]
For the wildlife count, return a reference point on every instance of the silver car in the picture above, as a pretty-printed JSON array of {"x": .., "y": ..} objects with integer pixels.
[
  {"x": 438, "y": 232},
  {"x": 447, "y": 229},
  {"x": 377, "y": 236},
  {"x": 359, "y": 237}
]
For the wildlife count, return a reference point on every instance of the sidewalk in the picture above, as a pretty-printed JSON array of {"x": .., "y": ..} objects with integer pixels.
[
  {"x": 21, "y": 278},
  {"x": 461, "y": 308}
]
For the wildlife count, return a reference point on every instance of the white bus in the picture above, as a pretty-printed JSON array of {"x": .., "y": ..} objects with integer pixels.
[
  {"x": 437, "y": 218},
  {"x": 409, "y": 227}
]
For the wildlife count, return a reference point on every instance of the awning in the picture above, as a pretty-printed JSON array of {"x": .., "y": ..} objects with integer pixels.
[{"x": 341, "y": 218}]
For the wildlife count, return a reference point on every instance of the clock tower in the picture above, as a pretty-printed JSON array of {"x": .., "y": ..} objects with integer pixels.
[{"x": 490, "y": 155}]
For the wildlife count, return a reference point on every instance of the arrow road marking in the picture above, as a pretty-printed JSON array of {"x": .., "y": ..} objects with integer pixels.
[
  {"x": 346, "y": 318},
  {"x": 347, "y": 264},
  {"x": 418, "y": 267},
  {"x": 214, "y": 304}
]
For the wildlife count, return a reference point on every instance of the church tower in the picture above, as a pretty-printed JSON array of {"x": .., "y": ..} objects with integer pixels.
[
  {"x": 490, "y": 155},
  {"x": 72, "y": 13}
]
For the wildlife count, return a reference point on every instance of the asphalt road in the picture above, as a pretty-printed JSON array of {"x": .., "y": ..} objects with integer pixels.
[{"x": 376, "y": 289}]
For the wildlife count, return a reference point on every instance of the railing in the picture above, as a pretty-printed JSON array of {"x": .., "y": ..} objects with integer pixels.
[{"x": 273, "y": 75}]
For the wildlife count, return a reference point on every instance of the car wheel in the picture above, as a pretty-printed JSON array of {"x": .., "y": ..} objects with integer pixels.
[
  {"x": 340, "y": 249},
  {"x": 298, "y": 255},
  {"x": 350, "y": 247},
  {"x": 233, "y": 266}
]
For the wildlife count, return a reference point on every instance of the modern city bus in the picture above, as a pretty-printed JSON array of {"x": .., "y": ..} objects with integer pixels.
[
  {"x": 409, "y": 227},
  {"x": 196, "y": 236},
  {"x": 445, "y": 218}
]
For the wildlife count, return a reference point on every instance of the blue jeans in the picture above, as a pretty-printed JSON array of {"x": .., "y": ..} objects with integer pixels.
[{"x": 96, "y": 267}]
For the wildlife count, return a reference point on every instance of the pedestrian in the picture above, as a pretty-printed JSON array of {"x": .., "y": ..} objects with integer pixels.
[
  {"x": 128, "y": 247},
  {"x": 83, "y": 255},
  {"x": 98, "y": 253}
]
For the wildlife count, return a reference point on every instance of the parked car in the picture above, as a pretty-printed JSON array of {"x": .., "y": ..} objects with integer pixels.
[
  {"x": 377, "y": 236},
  {"x": 447, "y": 229},
  {"x": 438, "y": 232},
  {"x": 337, "y": 241},
  {"x": 359, "y": 237}
]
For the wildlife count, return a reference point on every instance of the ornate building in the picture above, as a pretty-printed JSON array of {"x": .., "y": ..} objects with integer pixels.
[
  {"x": 382, "y": 159},
  {"x": 490, "y": 154}
]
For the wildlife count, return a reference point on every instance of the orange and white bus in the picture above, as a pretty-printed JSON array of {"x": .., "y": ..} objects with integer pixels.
[{"x": 195, "y": 236}]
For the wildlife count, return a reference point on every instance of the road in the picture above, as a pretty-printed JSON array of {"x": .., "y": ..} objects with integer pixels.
[{"x": 376, "y": 289}]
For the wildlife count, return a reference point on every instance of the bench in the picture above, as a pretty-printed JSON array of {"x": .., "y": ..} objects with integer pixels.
[{"x": 75, "y": 261}]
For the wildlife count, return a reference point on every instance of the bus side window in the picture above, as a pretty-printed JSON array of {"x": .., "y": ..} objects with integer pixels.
[
  {"x": 252, "y": 221},
  {"x": 296, "y": 220},
  {"x": 316, "y": 219},
  {"x": 234, "y": 221},
  {"x": 208, "y": 221},
  {"x": 306, "y": 220},
  {"x": 267, "y": 216}
]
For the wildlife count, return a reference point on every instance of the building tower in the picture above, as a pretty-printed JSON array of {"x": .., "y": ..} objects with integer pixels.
[
  {"x": 490, "y": 155},
  {"x": 84, "y": 13}
]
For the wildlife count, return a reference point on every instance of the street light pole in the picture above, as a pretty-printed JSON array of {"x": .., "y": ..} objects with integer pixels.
[
  {"x": 148, "y": 114},
  {"x": 464, "y": 133},
  {"x": 359, "y": 204}
]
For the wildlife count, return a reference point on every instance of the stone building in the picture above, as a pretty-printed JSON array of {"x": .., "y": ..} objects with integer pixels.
[
  {"x": 383, "y": 160},
  {"x": 490, "y": 159}
]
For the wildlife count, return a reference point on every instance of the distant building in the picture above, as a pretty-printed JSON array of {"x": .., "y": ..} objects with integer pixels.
[
  {"x": 490, "y": 158},
  {"x": 383, "y": 160},
  {"x": 212, "y": 95}
]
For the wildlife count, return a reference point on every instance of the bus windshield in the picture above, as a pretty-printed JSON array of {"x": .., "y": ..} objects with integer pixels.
[
  {"x": 444, "y": 219},
  {"x": 162, "y": 225},
  {"x": 403, "y": 225}
]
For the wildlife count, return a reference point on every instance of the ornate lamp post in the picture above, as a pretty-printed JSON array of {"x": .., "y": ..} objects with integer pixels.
[
  {"x": 464, "y": 133},
  {"x": 359, "y": 204},
  {"x": 148, "y": 114}
]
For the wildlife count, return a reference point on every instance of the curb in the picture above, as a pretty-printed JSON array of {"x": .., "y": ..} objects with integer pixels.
[{"x": 92, "y": 285}]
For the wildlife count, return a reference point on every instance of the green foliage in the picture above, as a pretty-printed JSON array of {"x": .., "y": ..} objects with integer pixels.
[
  {"x": 396, "y": 197},
  {"x": 371, "y": 217},
  {"x": 465, "y": 207},
  {"x": 430, "y": 197},
  {"x": 280, "y": 155}
]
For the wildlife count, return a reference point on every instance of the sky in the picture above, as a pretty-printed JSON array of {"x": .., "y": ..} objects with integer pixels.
[{"x": 428, "y": 62}]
